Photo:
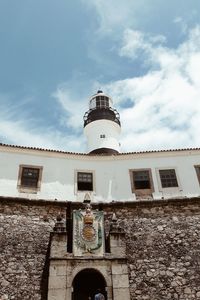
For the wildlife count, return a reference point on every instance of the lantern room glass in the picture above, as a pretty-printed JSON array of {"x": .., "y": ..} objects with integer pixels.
[{"x": 100, "y": 101}]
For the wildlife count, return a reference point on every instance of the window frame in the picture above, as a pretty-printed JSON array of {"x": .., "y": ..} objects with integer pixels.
[
  {"x": 141, "y": 192},
  {"x": 26, "y": 189},
  {"x": 102, "y": 101},
  {"x": 169, "y": 189},
  {"x": 76, "y": 181}
]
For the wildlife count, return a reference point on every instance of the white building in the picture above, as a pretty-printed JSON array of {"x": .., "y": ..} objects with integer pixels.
[{"x": 104, "y": 174}]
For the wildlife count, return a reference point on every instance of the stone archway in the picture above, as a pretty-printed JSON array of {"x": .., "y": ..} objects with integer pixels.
[{"x": 86, "y": 283}]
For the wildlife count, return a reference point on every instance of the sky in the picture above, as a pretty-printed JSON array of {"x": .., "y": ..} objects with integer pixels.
[{"x": 55, "y": 54}]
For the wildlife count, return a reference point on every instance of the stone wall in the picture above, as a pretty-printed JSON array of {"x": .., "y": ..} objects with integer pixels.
[
  {"x": 24, "y": 240},
  {"x": 163, "y": 247}
]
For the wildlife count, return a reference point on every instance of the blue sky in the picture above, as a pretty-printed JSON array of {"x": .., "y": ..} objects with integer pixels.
[{"x": 55, "y": 54}]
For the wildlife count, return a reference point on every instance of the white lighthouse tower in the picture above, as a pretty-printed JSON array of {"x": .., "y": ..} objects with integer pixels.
[{"x": 102, "y": 125}]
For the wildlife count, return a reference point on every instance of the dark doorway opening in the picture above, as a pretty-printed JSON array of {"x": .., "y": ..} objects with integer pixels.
[{"x": 86, "y": 283}]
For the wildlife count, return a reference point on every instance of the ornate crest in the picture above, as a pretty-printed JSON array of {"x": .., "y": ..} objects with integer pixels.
[{"x": 88, "y": 231}]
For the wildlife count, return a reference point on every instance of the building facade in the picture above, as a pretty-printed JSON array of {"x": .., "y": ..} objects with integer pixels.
[
  {"x": 138, "y": 239},
  {"x": 49, "y": 175}
]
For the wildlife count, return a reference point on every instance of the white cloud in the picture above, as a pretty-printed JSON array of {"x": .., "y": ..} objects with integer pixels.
[
  {"x": 18, "y": 133},
  {"x": 164, "y": 103},
  {"x": 26, "y": 132},
  {"x": 116, "y": 15},
  {"x": 111, "y": 13},
  {"x": 72, "y": 107},
  {"x": 73, "y": 96},
  {"x": 182, "y": 23},
  {"x": 165, "y": 110},
  {"x": 134, "y": 42}
]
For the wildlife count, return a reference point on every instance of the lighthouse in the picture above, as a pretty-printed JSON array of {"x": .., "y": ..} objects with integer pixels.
[{"x": 102, "y": 125}]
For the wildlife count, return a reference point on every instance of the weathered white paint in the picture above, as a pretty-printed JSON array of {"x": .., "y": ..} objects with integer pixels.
[
  {"x": 96, "y": 129},
  {"x": 111, "y": 173}
]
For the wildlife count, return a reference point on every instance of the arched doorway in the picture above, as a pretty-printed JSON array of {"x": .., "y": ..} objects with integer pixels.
[{"x": 86, "y": 283}]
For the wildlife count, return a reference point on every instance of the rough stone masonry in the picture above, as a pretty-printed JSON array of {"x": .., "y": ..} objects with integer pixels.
[{"x": 162, "y": 237}]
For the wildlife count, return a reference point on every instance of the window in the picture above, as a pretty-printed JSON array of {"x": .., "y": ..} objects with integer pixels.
[
  {"x": 102, "y": 136},
  {"x": 84, "y": 181},
  {"x": 29, "y": 178},
  {"x": 168, "y": 178},
  {"x": 141, "y": 182},
  {"x": 197, "y": 168},
  {"x": 102, "y": 102}
]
